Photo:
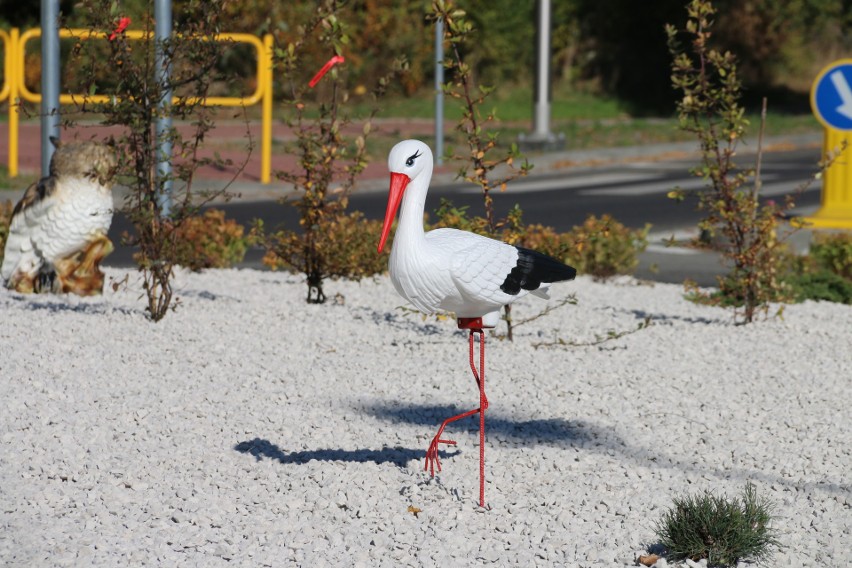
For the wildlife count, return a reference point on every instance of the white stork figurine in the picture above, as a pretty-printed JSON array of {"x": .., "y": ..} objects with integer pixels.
[{"x": 456, "y": 271}]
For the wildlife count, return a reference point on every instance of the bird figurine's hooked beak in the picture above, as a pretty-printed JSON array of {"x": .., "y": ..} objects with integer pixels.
[{"x": 398, "y": 182}]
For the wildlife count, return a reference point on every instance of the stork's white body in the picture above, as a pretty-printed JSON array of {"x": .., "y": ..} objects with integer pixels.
[
  {"x": 446, "y": 269},
  {"x": 456, "y": 271}
]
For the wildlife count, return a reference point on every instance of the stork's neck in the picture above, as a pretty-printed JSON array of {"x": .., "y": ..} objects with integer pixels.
[{"x": 410, "y": 227}]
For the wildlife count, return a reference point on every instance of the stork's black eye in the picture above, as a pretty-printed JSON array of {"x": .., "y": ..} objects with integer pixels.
[{"x": 410, "y": 161}]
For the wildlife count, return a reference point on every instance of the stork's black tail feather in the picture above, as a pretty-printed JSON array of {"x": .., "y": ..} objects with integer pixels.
[{"x": 533, "y": 269}]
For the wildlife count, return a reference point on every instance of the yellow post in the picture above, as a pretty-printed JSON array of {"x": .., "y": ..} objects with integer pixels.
[
  {"x": 835, "y": 210},
  {"x": 14, "y": 72},
  {"x": 265, "y": 72}
]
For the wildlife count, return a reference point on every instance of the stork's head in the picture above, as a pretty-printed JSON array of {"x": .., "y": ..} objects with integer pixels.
[{"x": 406, "y": 162}]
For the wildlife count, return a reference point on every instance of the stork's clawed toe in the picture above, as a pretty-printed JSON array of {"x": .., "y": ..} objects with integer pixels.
[{"x": 432, "y": 458}]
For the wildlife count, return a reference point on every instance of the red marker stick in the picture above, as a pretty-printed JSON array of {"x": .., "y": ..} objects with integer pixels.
[
  {"x": 120, "y": 27},
  {"x": 328, "y": 65}
]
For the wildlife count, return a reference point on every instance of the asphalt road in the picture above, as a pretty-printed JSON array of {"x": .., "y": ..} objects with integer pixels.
[{"x": 633, "y": 193}]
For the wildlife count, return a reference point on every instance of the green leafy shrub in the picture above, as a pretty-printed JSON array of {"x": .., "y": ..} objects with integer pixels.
[
  {"x": 209, "y": 241},
  {"x": 720, "y": 529},
  {"x": 603, "y": 247},
  {"x": 833, "y": 251},
  {"x": 825, "y": 274},
  {"x": 820, "y": 285},
  {"x": 6, "y": 209},
  {"x": 341, "y": 246}
]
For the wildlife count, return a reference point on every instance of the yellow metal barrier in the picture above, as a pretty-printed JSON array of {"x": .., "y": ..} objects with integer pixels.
[
  {"x": 10, "y": 92},
  {"x": 15, "y": 86},
  {"x": 4, "y": 92}
]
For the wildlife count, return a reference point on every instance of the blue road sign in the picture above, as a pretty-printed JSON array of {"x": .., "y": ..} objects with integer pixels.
[{"x": 831, "y": 95}]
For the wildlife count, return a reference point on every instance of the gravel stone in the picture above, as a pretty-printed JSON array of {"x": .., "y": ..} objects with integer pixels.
[{"x": 249, "y": 428}]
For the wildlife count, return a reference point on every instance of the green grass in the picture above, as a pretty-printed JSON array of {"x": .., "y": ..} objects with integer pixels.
[{"x": 510, "y": 104}]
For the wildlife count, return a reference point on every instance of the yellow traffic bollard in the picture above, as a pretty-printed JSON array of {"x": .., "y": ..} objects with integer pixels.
[
  {"x": 831, "y": 101},
  {"x": 835, "y": 210}
]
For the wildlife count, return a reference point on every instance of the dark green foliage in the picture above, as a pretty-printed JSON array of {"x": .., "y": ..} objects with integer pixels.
[
  {"x": 833, "y": 251},
  {"x": 825, "y": 273},
  {"x": 720, "y": 529},
  {"x": 820, "y": 285}
]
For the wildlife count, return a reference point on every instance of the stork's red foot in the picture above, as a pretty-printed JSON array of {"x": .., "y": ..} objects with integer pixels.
[
  {"x": 432, "y": 453},
  {"x": 432, "y": 458}
]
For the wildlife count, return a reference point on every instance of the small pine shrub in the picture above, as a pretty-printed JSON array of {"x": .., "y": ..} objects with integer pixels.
[
  {"x": 6, "y": 209},
  {"x": 209, "y": 241},
  {"x": 720, "y": 529}
]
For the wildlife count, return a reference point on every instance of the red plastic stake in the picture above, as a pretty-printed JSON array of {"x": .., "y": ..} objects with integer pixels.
[
  {"x": 120, "y": 27},
  {"x": 483, "y": 405},
  {"x": 328, "y": 65}
]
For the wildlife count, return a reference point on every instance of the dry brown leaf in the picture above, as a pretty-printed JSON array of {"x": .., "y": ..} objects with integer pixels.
[
  {"x": 414, "y": 510},
  {"x": 648, "y": 559}
]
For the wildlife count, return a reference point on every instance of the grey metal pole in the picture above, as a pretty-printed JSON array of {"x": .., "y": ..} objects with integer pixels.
[
  {"x": 50, "y": 117},
  {"x": 439, "y": 91},
  {"x": 541, "y": 138},
  {"x": 162, "y": 32},
  {"x": 541, "y": 115}
]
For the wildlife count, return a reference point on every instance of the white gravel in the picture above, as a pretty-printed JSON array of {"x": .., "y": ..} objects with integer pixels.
[{"x": 249, "y": 428}]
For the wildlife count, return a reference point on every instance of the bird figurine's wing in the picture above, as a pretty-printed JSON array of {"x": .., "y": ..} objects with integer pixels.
[
  {"x": 481, "y": 268},
  {"x": 498, "y": 272},
  {"x": 20, "y": 256}
]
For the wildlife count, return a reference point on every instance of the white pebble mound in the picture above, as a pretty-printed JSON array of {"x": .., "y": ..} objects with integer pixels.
[{"x": 249, "y": 428}]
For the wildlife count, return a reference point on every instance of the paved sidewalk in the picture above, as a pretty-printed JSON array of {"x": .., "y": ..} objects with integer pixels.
[{"x": 232, "y": 139}]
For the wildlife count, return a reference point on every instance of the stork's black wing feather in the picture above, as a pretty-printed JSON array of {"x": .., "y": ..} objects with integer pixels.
[{"x": 533, "y": 269}]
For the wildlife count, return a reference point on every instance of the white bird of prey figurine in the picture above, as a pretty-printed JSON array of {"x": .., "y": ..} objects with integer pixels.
[
  {"x": 456, "y": 271},
  {"x": 58, "y": 233}
]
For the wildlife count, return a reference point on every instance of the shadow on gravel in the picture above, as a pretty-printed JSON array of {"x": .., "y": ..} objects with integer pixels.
[
  {"x": 584, "y": 436},
  {"x": 664, "y": 318},
  {"x": 96, "y": 309},
  {"x": 400, "y": 457},
  {"x": 549, "y": 431}
]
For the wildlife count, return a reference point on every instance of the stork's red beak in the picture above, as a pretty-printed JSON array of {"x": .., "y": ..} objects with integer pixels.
[{"x": 398, "y": 182}]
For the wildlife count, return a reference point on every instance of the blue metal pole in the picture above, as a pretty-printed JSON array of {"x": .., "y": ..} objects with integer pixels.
[
  {"x": 162, "y": 32},
  {"x": 50, "y": 117},
  {"x": 439, "y": 91}
]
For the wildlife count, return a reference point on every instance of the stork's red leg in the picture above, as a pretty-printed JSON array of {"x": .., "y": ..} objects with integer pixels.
[{"x": 432, "y": 458}]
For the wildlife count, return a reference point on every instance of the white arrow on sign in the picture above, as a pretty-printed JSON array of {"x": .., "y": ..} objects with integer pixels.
[{"x": 844, "y": 91}]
